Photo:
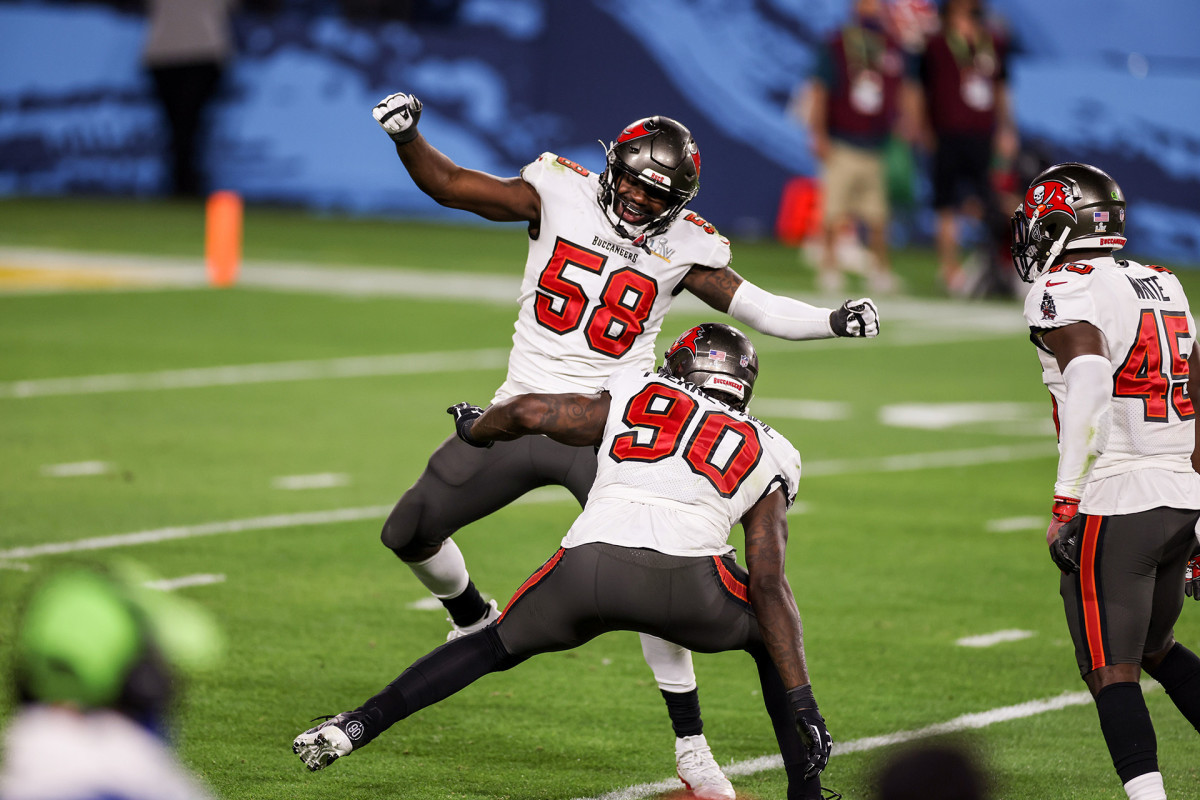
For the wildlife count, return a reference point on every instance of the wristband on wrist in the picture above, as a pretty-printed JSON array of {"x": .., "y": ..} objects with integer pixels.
[
  {"x": 801, "y": 698},
  {"x": 1064, "y": 508}
]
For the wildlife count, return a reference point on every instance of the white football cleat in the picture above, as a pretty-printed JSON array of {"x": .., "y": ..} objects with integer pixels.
[
  {"x": 493, "y": 614},
  {"x": 320, "y": 746},
  {"x": 699, "y": 771}
]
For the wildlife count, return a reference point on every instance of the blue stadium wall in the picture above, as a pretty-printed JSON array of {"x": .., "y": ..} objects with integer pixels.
[{"x": 1118, "y": 85}]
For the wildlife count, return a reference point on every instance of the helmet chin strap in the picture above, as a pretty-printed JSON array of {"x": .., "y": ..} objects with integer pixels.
[{"x": 1055, "y": 250}]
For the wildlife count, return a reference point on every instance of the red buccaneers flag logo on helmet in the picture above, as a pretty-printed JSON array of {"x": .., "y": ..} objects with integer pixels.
[
  {"x": 685, "y": 342},
  {"x": 1047, "y": 198}
]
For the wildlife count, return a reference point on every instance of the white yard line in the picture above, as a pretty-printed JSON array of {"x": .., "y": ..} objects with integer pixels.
[
  {"x": 933, "y": 460},
  {"x": 1010, "y": 524},
  {"x": 998, "y": 637},
  {"x": 354, "y": 367},
  {"x": 966, "y": 722},
  {"x": 272, "y": 522},
  {"x": 553, "y": 494},
  {"x": 171, "y": 584},
  {"x": 915, "y": 461},
  {"x": 320, "y": 480},
  {"x": 76, "y": 469}
]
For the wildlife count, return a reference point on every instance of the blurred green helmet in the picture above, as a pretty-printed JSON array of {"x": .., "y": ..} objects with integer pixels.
[{"x": 101, "y": 640}]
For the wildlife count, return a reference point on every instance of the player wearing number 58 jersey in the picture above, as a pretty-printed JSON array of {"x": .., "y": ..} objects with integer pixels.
[
  {"x": 1117, "y": 343},
  {"x": 680, "y": 463},
  {"x": 608, "y": 252}
]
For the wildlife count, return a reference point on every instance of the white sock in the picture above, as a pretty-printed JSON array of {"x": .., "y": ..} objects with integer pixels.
[
  {"x": 445, "y": 574},
  {"x": 670, "y": 663},
  {"x": 1146, "y": 787}
]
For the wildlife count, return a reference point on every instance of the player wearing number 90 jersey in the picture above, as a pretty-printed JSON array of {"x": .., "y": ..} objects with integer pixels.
[
  {"x": 1117, "y": 343},
  {"x": 680, "y": 463},
  {"x": 607, "y": 254},
  {"x": 684, "y": 506}
]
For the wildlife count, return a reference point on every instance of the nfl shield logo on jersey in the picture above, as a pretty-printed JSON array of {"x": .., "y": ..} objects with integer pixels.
[{"x": 1048, "y": 309}]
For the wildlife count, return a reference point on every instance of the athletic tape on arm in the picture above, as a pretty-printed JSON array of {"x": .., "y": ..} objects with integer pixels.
[
  {"x": 1084, "y": 419},
  {"x": 779, "y": 316}
]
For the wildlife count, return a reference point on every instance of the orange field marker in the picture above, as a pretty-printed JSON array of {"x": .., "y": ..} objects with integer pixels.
[{"x": 223, "y": 237}]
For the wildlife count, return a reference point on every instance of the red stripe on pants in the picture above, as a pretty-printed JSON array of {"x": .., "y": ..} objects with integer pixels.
[
  {"x": 534, "y": 578},
  {"x": 1087, "y": 587},
  {"x": 735, "y": 587}
]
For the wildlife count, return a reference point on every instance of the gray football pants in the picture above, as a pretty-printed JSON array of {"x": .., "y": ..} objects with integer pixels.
[
  {"x": 462, "y": 484},
  {"x": 581, "y": 592}
]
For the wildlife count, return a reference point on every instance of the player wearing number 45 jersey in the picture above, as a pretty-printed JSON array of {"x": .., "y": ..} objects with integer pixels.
[
  {"x": 680, "y": 462},
  {"x": 607, "y": 254},
  {"x": 1117, "y": 343}
]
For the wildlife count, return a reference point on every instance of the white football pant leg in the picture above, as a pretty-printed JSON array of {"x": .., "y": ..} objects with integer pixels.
[{"x": 670, "y": 663}]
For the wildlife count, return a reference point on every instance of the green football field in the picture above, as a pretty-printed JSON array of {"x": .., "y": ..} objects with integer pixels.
[{"x": 248, "y": 443}]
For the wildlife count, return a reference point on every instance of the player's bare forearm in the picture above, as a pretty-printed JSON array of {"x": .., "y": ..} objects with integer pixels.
[
  {"x": 497, "y": 199},
  {"x": 574, "y": 419},
  {"x": 714, "y": 286},
  {"x": 770, "y": 594}
]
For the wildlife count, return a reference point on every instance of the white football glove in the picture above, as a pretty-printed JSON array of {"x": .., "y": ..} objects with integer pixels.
[
  {"x": 856, "y": 318},
  {"x": 398, "y": 114}
]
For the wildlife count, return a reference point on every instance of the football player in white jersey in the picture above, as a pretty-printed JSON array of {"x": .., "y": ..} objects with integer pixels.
[
  {"x": 1117, "y": 344},
  {"x": 680, "y": 462},
  {"x": 607, "y": 254}
]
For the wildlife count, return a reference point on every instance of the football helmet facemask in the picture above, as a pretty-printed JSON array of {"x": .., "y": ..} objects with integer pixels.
[
  {"x": 718, "y": 358},
  {"x": 659, "y": 153},
  {"x": 1069, "y": 206}
]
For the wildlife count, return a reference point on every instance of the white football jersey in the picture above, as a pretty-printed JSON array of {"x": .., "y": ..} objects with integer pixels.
[
  {"x": 590, "y": 300},
  {"x": 1149, "y": 332},
  {"x": 677, "y": 469}
]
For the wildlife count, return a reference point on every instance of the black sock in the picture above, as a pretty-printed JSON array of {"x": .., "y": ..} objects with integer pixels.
[
  {"x": 1127, "y": 729},
  {"x": 1179, "y": 674},
  {"x": 684, "y": 708},
  {"x": 466, "y": 608}
]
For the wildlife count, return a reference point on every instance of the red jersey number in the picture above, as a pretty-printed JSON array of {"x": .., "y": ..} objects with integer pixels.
[
  {"x": 666, "y": 412},
  {"x": 620, "y": 317},
  {"x": 1142, "y": 374}
]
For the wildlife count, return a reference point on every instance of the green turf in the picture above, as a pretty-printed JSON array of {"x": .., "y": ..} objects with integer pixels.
[{"x": 890, "y": 568}]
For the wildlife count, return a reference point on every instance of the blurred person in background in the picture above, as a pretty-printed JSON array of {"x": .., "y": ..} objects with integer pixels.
[
  {"x": 649, "y": 552},
  {"x": 608, "y": 253},
  {"x": 854, "y": 108},
  {"x": 1117, "y": 345},
  {"x": 931, "y": 771},
  {"x": 187, "y": 47},
  {"x": 967, "y": 125},
  {"x": 97, "y": 661}
]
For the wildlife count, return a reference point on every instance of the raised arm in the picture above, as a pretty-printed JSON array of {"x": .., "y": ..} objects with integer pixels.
[
  {"x": 776, "y": 315},
  {"x": 574, "y": 419},
  {"x": 497, "y": 199}
]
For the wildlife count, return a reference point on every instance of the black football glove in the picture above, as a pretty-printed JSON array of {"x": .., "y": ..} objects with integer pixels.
[
  {"x": 1191, "y": 579},
  {"x": 855, "y": 318},
  {"x": 398, "y": 114},
  {"x": 1065, "y": 539},
  {"x": 465, "y": 415},
  {"x": 812, "y": 729}
]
